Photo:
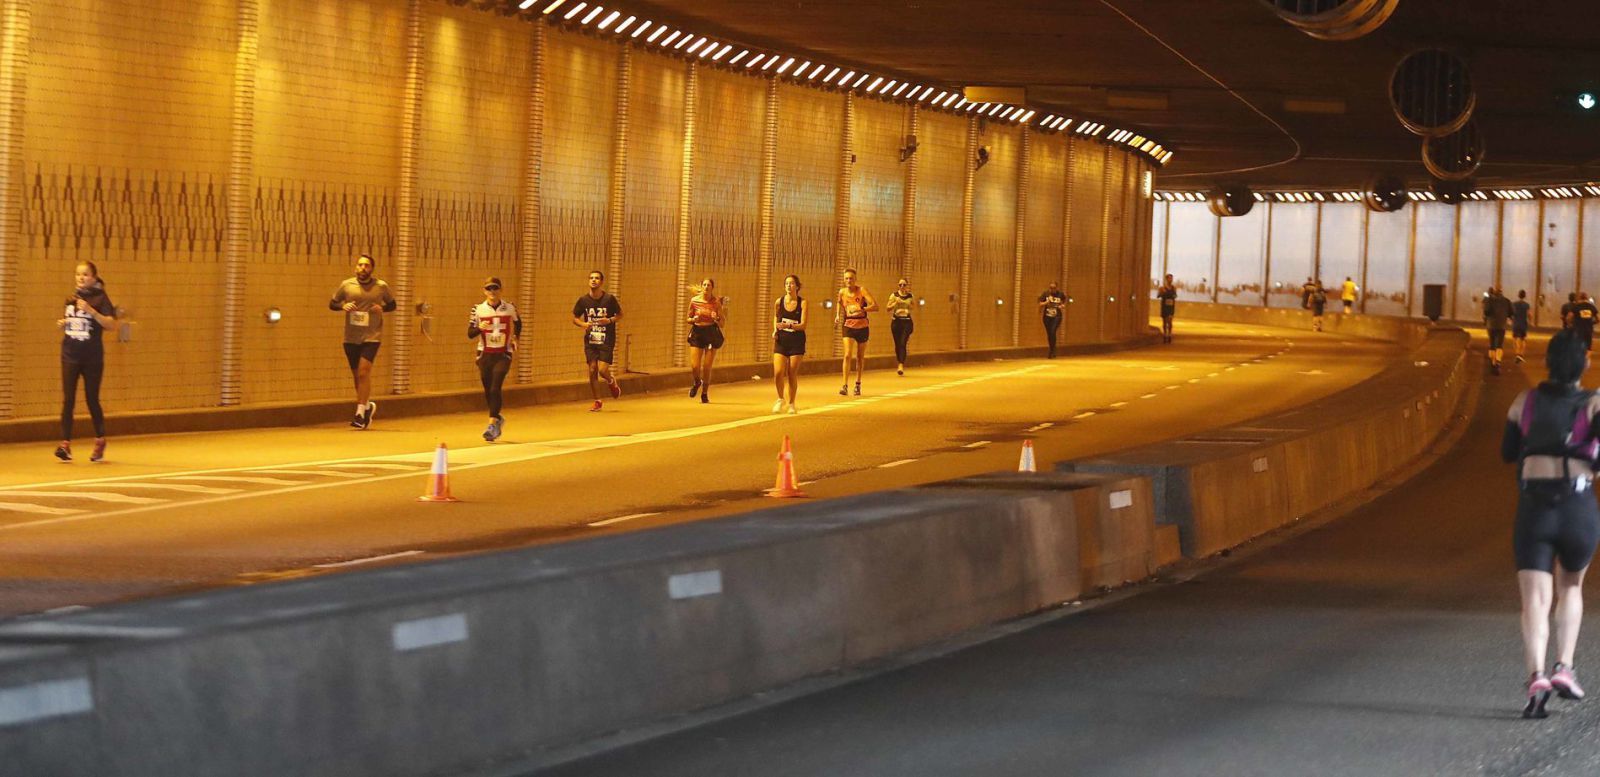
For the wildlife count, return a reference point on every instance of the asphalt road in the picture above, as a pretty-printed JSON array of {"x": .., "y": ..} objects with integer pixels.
[
  {"x": 175, "y": 513},
  {"x": 1383, "y": 643}
]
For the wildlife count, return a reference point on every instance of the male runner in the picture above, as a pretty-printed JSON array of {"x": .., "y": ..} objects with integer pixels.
[
  {"x": 1496, "y": 311},
  {"x": 1347, "y": 294},
  {"x": 1519, "y": 323},
  {"x": 1050, "y": 304},
  {"x": 1566, "y": 310},
  {"x": 1168, "y": 294},
  {"x": 494, "y": 323},
  {"x": 363, "y": 299},
  {"x": 1584, "y": 315},
  {"x": 597, "y": 313},
  {"x": 1319, "y": 304}
]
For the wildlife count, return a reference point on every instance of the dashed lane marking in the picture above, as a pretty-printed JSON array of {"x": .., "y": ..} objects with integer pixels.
[
  {"x": 1083, "y": 415},
  {"x": 368, "y": 560},
  {"x": 1172, "y": 388},
  {"x": 1148, "y": 396},
  {"x": 1040, "y": 427},
  {"x": 1193, "y": 380},
  {"x": 1119, "y": 404},
  {"x": 463, "y": 459},
  {"x": 235, "y": 479},
  {"x": 1212, "y": 374},
  {"x": 316, "y": 472},
  {"x": 978, "y": 444},
  {"x": 180, "y": 487},
  {"x": 93, "y": 496},
  {"x": 894, "y": 464}
]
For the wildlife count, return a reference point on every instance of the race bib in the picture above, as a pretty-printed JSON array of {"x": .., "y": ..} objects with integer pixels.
[
  {"x": 495, "y": 340},
  {"x": 1051, "y": 312},
  {"x": 77, "y": 327},
  {"x": 597, "y": 335},
  {"x": 360, "y": 318}
]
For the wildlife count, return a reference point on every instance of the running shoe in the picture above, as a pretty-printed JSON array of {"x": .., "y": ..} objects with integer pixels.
[
  {"x": 372, "y": 410},
  {"x": 1566, "y": 683},
  {"x": 844, "y": 391},
  {"x": 858, "y": 388},
  {"x": 1495, "y": 368},
  {"x": 616, "y": 389},
  {"x": 705, "y": 397},
  {"x": 792, "y": 411},
  {"x": 596, "y": 407},
  {"x": 694, "y": 389},
  {"x": 359, "y": 422},
  {"x": 64, "y": 450},
  {"x": 1539, "y": 689},
  {"x": 1519, "y": 359},
  {"x": 489, "y": 432},
  {"x": 901, "y": 371},
  {"x": 100, "y": 453},
  {"x": 777, "y": 406}
]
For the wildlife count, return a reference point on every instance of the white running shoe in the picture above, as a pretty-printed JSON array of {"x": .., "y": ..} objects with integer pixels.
[
  {"x": 792, "y": 411},
  {"x": 777, "y": 407}
]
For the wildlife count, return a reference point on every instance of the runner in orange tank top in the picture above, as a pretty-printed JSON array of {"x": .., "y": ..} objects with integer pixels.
[
  {"x": 706, "y": 318},
  {"x": 851, "y": 307}
]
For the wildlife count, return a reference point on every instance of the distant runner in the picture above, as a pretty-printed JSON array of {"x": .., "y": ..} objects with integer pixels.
[
  {"x": 87, "y": 315},
  {"x": 853, "y": 304},
  {"x": 788, "y": 342},
  {"x": 363, "y": 299},
  {"x": 1319, "y": 305},
  {"x": 900, "y": 324},
  {"x": 1347, "y": 293},
  {"x": 494, "y": 323},
  {"x": 596, "y": 313},
  {"x": 1496, "y": 312},
  {"x": 1051, "y": 303},
  {"x": 1584, "y": 316},
  {"x": 1519, "y": 323},
  {"x": 706, "y": 318},
  {"x": 1551, "y": 435},
  {"x": 1168, "y": 294}
]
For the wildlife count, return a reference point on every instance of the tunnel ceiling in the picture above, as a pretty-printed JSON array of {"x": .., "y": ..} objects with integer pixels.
[{"x": 1083, "y": 58}]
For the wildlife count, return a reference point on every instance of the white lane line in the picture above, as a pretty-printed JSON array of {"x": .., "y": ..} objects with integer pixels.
[
  {"x": 1039, "y": 427},
  {"x": 1084, "y": 414},
  {"x": 315, "y": 472},
  {"x": 1228, "y": 369},
  {"x": 893, "y": 464},
  {"x": 978, "y": 444},
  {"x": 94, "y": 496},
  {"x": 621, "y": 518},
  {"x": 1211, "y": 374},
  {"x": 1119, "y": 404},
  {"x": 503, "y": 455},
  {"x": 369, "y": 465},
  {"x": 187, "y": 489},
  {"x": 24, "y": 507},
  {"x": 369, "y": 560},
  {"x": 236, "y": 479},
  {"x": 1173, "y": 388},
  {"x": 1148, "y": 396},
  {"x": 1193, "y": 380}
]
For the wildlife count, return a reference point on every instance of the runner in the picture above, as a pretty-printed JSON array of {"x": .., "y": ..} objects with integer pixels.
[
  {"x": 597, "y": 313},
  {"x": 1051, "y": 302},
  {"x": 87, "y": 315},
  {"x": 1550, "y": 434},
  {"x": 1519, "y": 323},
  {"x": 1347, "y": 294},
  {"x": 1305, "y": 293},
  {"x": 853, "y": 303},
  {"x": 1496, "y": 311},
  {"x": 900, "y": 323},
  {"x": 1319, "y": 304},
  {"x": 706, "y": 318},
  {"x": 788, "y": 342},
  {"x": 494, "y": 323},
  {"x": 1168, "y": 294},
  {"x": 1566, "y": 310},
  {"x": 363, "y": 299},
  {"x": 1584, "y": 316}
]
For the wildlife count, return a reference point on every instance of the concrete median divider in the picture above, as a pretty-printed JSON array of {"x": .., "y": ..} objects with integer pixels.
[
  {"x": 1230, "y": 485},
  {"x": 445, "y": 667}
]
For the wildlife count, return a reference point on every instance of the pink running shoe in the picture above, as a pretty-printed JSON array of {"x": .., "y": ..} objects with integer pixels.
[
  {"x": 1539, "y": 689},
  {"x": 616, "y": 389},
  {"x": 1566, "y": 683}
]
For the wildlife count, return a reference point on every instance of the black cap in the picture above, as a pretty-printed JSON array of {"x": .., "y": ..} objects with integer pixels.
[{"x": 491, "y": 283}]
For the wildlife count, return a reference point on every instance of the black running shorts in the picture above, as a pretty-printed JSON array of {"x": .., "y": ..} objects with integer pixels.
[
  {"x": 599, "y": 353},
  {"x": 858, "y": 335},
  {"x": 355, "y": 353},
  {"x": 1497, "y": 338},
  {"x": 789, "y": 343},
  {"x": 1555, "y": 522},
  {"x": 709, "y": 337}
]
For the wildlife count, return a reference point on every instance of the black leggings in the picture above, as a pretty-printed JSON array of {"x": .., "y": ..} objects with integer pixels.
[
  {"x": 91, "y": 373},
  {"x": 1553, "y": 523},
  {"x": 1051, "y": 325},
  {"x": 492, "y": 368},
  {"x": 901, "y": 328}
]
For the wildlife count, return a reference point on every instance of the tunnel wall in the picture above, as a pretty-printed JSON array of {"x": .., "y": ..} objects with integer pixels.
[
  {"x": 1548, "y": 248},
  {"x": 220, "y": 157}
]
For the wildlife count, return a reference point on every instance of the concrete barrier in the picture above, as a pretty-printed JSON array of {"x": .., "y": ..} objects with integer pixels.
[
  {"x": 1409, "y": 332},
  {"x": 444, "y": 667},
  {"x": 1230, "y": 485}
]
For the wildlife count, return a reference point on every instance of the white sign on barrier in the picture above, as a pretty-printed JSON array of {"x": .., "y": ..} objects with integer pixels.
[
  {"x": 1121, "y": 499},
  {"x": 428, "y": 632},
  {"x": 1259, "y": 464},
  {"x": 49, "y": 699},
  {"x": 690, "y": 585}
]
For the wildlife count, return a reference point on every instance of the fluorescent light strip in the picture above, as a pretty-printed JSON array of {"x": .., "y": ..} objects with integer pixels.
[
  {"x": 548, "y": 8},
  {"x": 901, "y": 89},
  {"x": 770, "y": 62},
  {"x": 688, "y": 36},
  {"x": 726, "y": 47},
  {"x": 785, "y": 66},
  {"x": 864, "y": 76},
  {"x": 592, "y": 14},
  {"x": 656, "y": 34},
  {"x": 641, "y": 29},
  {"x": 875, "y": 83},
  {"x": 697, "y": 45},
  {"x": 755, "y": 60},
  {"x": 819, "y": 68},
  {"x": 671, "y": 38},
  {"x": 831, "y": 74},
  {"x": 623, "y": 27},
  {"x": 575, "y": 10},
  {"x": 610, "y": 17}
]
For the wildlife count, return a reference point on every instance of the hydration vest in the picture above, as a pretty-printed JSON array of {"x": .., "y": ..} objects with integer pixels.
[{"x": 1557, "y": 425}]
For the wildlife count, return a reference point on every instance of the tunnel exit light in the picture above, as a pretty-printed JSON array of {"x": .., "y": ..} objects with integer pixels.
[{"x": 1587, "y": 101}]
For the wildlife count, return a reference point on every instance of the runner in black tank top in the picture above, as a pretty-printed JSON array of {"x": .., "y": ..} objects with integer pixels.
[{"x": 788, "y": 343}]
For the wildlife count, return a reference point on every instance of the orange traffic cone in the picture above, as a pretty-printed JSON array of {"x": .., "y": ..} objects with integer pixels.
[
  {"x": 786, "y": 486},
  {"x": 1025, "y": 464},
  {"x": 438, "y": 489}
]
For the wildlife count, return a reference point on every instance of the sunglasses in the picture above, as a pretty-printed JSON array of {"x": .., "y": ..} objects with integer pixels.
[{"x": 491, "y": 287}]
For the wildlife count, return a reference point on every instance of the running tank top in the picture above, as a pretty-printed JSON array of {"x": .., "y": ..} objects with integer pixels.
[
  {"x": 855, "y": 309},
  {"x": 497, "y": 327},
  {"x": 705, "y": 312},
  {"x": 900, "y": 306},
  {"x": 790, "y": 315}
]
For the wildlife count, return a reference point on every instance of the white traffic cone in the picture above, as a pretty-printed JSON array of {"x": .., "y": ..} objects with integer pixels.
[{"x": 1025, "y": 464}]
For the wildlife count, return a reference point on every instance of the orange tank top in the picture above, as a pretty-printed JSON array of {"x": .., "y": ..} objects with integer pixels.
[
  {"x": 855, "y": 309},
  {"x": 705, "y": 312}
]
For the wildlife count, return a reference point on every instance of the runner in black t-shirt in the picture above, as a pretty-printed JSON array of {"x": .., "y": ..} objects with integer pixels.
[
  {"x": 1584, "y": 315},
  {"x": 1566, "y": 310},
  {"x": 596, "y": 313},
  {"x": 1051, "y": 304},
  {"x": 1319, "y": 305},
  {"x": 1519, "y": 323},
  {"x": 1168, "y": 294},
  {"x": 1497, "y": 311},
  {"x": 88, "y": 313}
]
